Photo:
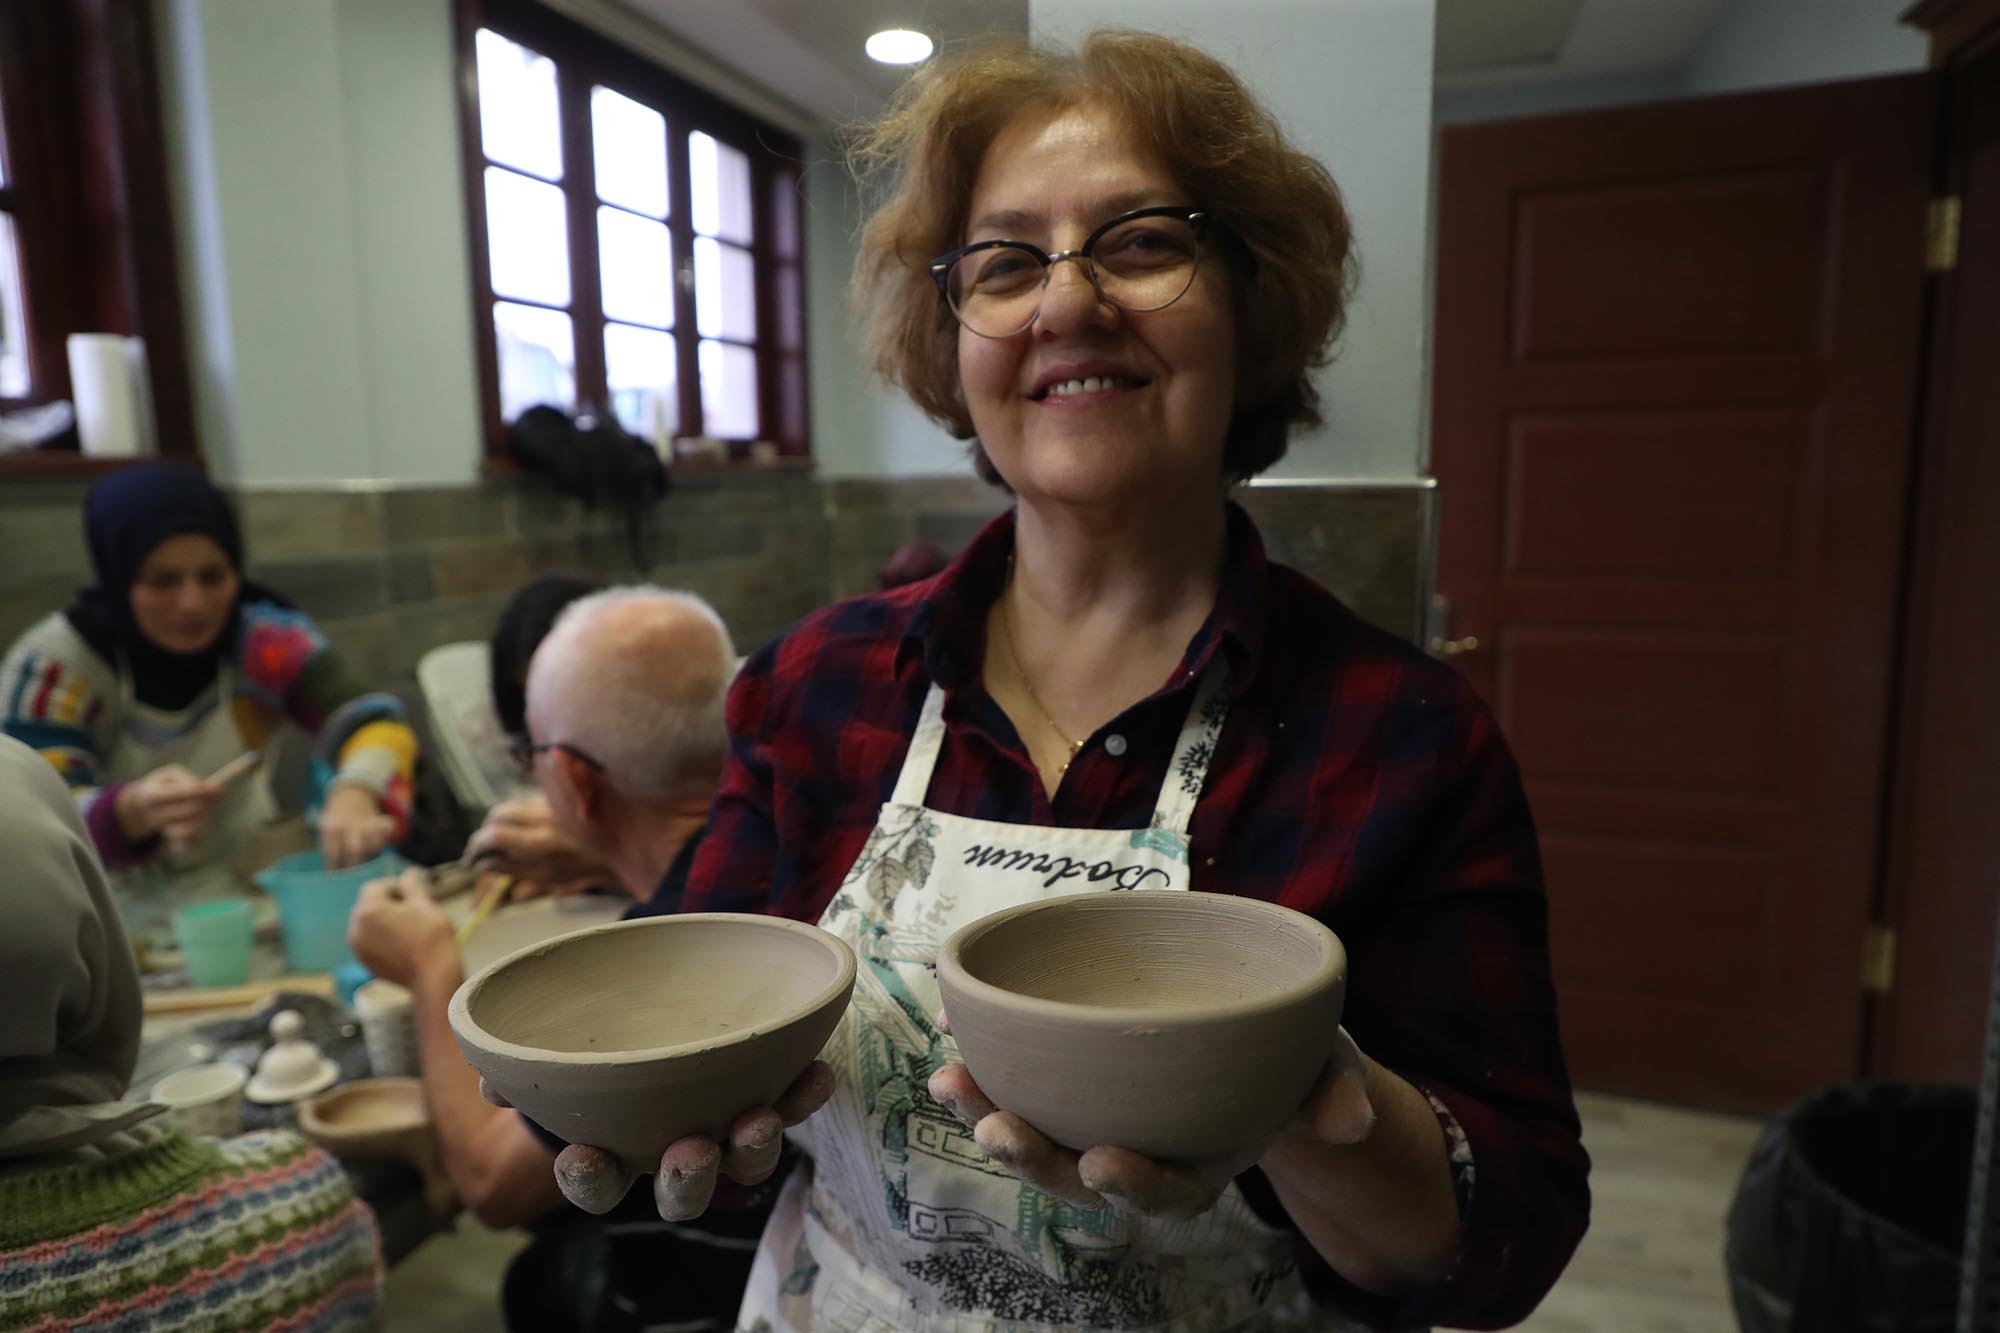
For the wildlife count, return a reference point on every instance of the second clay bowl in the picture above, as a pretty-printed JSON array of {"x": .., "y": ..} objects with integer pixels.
[
  {"x": 632, "y": 1035},
  {"x": 1185, "y": 1026}
]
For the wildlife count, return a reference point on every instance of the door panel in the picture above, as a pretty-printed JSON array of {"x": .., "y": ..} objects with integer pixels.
[{"x": 1674, "y": 383}]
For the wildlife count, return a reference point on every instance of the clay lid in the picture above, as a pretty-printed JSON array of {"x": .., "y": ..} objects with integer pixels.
[{"x": 293, "y": 1067}]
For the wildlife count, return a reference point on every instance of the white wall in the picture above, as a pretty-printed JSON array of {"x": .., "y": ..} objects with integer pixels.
[
  {"x": 318, "y": 203},
  {"x": 1767, "y": 43},
  {"x": 1350, "y": 80},
  {"x": 1505, "y": 101},
  {"x": 860, "y": 427}
]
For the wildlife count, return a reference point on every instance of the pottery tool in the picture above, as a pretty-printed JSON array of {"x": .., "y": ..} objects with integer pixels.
[
  {"x": 455, "y": 877},
  {"x": 182, "y": 1000},
  {"x": 485, "y": 909},
  {"x": 236, "y": 768}
]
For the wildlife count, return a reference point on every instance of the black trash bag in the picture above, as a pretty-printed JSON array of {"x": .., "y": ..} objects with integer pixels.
[
  {"x": 1850, "y": 1215},
  {"x": 593, "y": 459}
]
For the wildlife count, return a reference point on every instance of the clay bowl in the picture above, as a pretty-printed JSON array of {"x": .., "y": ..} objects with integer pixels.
[
  {"x": 1186, "y": 1026},
  {"x": 370, "y": 1117},
  {"x": 632, "y": 1035}
]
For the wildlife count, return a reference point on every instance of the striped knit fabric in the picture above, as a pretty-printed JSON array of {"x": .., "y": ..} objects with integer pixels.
[{"x": 255, "y": 1232}]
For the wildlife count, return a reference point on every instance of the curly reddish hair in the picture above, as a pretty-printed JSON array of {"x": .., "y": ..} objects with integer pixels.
[{"x": 1278, "y": 221}]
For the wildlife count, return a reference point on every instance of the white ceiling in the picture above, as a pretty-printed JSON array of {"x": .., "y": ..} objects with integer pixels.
[
  {"x": 808, "y": 52},
  {"x": 1485, "y": 43}
]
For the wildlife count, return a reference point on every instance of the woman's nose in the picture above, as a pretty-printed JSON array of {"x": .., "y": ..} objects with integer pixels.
[{"x": 1071, "y": 300}]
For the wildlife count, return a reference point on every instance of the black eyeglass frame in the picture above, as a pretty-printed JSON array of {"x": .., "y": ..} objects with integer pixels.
[
  {"x": 1196, "y": 218},
  {"x": 522, "y": 751}
]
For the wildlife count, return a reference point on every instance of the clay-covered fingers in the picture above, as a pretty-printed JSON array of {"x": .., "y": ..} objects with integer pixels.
[
  {"x": 755, "y": 1141},
  {"x": 1339, "y": 1109},
  {"x": 686, "y": 1179},
  {"x": 1134, "y": 1183},
  {"x": 591, "y": 1179},
  {"x": 493, "y": 1096},
  {"x": 809, "y": 1091},
  {"x": 1032, "y": 1156},
  {"x": 952, "y": 1088}
]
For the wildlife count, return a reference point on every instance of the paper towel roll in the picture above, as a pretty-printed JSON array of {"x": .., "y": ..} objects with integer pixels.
[{"x": 114, "y": 401}]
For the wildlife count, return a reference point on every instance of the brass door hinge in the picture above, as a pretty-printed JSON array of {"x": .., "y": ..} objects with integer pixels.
[
  {"x": 1941, "y": 238},
  {"x": 1878, "y": 960}
]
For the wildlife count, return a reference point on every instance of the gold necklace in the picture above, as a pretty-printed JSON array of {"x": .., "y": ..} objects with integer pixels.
[{"x": 1014, "y": 656}]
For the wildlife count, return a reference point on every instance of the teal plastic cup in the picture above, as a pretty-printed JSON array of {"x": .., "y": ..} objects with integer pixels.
[{"x": 215, "y": 940}]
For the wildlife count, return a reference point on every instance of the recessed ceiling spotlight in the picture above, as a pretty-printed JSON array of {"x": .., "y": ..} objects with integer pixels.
[{"x": 899, "y": 46}]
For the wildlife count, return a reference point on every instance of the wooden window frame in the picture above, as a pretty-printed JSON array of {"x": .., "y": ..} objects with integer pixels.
[
  {"x": 585, "y": 59},
  {"x": 87, "y": 185}
]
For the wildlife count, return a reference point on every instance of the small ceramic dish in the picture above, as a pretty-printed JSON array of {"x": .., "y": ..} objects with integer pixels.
[
  {"x": 1186, "y": 1026},
  {"x": 629, "y": 1036}
]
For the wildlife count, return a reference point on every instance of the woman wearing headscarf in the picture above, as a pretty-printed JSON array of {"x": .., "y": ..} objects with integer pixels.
[
  {"x": 109, "y": 1219},
  {"x": 171, "y": 665}
]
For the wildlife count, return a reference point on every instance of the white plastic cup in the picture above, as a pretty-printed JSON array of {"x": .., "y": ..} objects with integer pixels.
[
  {"x": 388, "y": 1028},
  {"x": 205, "y": 1101}
]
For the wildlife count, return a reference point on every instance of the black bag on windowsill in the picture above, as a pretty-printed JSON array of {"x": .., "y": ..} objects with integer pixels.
[{"x": 590, "y": 457}]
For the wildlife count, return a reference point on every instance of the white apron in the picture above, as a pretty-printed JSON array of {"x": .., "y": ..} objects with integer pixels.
[
  {"x": 899, "y": 1221},
  {"x": 149, "y": 894}
]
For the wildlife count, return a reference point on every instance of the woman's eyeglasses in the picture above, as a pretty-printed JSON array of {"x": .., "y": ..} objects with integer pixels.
[
  {"x": 1139, "y": 261},
  {"x": 522, "y": 750}
]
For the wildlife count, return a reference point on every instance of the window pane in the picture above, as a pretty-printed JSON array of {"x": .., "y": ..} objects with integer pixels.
[
  {"x": 518, "y": 120},
  {"x": 635, "y": 266},
  {"x": 728, "y": 391},
  {"x": 13, "y": 325},
  {"x": 720, "y": 182},
  {"x": 537, "y": 358},
  {"x": 725, "y": 291},
  {"x": 527, "y": 238},
  {"x": 629, "y": 145},
  {"x": 639, "y": 367}
]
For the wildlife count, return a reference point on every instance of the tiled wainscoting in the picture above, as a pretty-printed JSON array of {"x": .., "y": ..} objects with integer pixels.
[{"x": 390, "y": 574}]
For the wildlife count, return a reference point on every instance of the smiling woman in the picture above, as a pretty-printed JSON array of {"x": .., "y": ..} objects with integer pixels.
[
  {"x": 162, "y": 675},
  {"x": 1112, "y": 270}
]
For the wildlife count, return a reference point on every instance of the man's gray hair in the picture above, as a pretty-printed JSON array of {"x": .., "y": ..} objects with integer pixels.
[{"x": 636, "y": 677}]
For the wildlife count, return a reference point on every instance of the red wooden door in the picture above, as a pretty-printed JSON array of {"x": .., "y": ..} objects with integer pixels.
[{"x": 1674, "y": 391}]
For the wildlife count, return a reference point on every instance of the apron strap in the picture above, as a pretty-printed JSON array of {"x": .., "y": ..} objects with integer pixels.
[
  {"x": 914, "y": 782},
  {"x": 1195, "y": 749}
]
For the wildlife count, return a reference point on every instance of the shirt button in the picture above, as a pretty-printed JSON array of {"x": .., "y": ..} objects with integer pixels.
[{"x": 1114, "y": 745}]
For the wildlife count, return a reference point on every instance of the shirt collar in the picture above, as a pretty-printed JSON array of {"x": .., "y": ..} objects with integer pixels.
[{"x": 947, "y": 632}]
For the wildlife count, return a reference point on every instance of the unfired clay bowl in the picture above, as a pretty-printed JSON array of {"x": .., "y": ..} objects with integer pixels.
[
  {"x": 632, "y": 1035},
  {"x": 1185, "y": 1026}
]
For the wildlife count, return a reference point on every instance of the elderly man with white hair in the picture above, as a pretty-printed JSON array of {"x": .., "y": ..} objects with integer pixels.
[{"x": 626, "y": 740}]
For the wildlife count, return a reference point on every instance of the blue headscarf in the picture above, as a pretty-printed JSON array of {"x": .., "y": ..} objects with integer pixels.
[{"x": 126, "y": 517}]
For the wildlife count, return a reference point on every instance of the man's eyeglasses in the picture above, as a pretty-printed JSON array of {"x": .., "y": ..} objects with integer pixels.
[
  {"x": 522, "y": 750},
  {"x": 1138, "y": 261}
]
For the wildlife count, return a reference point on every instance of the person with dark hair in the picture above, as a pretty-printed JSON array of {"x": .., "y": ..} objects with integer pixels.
[
  {"x": 1111, "y": 269},
  {"x": 524, "y": 622},
  {"x": 171, "y": 665},
  {"x": 519, "y": 835}
]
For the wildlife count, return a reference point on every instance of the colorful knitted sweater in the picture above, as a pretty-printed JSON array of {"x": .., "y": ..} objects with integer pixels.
[
  {"x": 256, "y": 1232},
  {"x": 60, "y": 697}
]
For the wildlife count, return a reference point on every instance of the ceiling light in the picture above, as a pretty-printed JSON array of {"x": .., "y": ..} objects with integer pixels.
[{"x": 899, "y": 46}]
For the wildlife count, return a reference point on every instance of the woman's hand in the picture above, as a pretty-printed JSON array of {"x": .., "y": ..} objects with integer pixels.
[
  {"x": 352, "y": 827},
  {"x": 170, "y": 802},
  {"x": 1130, "y": 1181},
  {"x": 593, "y": 1180},
  {"x": 399, "y": 933},
  {"x": 521, "y": 836}
]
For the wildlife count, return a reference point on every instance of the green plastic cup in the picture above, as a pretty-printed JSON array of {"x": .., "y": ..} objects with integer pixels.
[{"x": 215, "y": 941}]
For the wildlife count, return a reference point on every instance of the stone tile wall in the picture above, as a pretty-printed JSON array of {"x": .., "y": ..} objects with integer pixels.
[{"x": 391, "y": 574}]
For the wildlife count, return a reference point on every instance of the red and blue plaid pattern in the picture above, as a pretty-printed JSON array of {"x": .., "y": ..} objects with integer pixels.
[{"x": 1356, "y": 780}]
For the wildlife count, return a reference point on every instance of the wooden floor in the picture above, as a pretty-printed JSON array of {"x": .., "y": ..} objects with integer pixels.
[{"x": 1661, "y": 1180}]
